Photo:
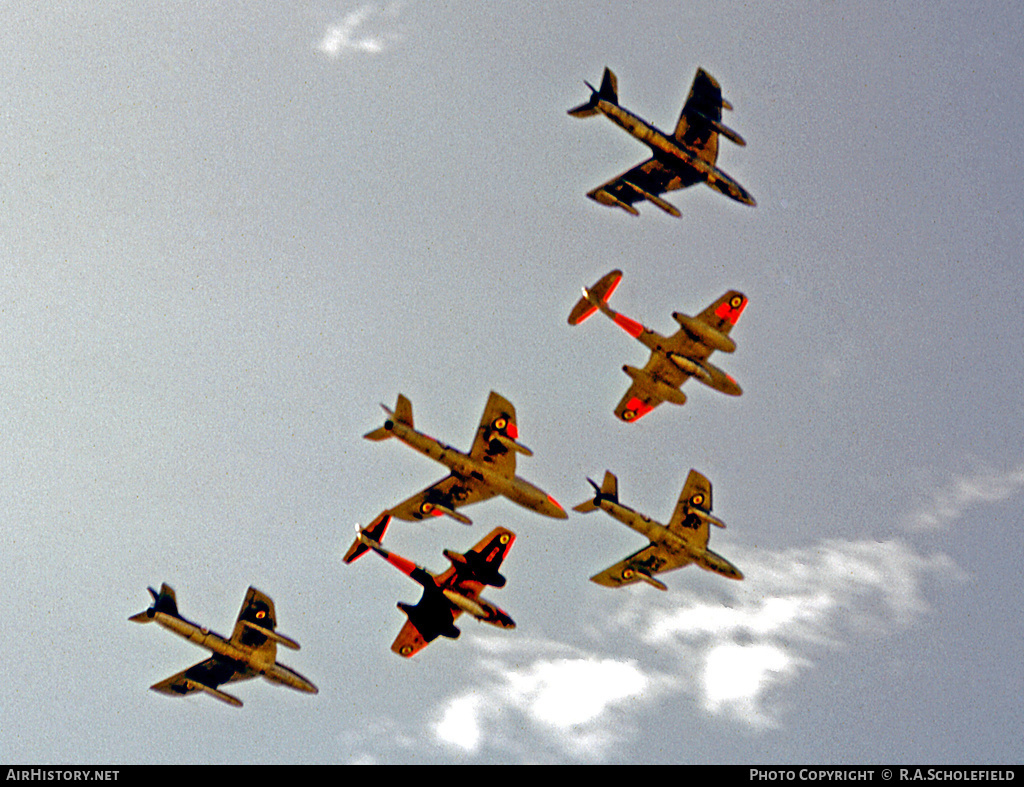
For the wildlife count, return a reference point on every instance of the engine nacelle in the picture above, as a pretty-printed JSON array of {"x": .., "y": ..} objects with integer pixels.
[
  {"x": 662, "y": 390},
  {"x": 707, "y": 373},
  {"x": 704, "y": 333}
]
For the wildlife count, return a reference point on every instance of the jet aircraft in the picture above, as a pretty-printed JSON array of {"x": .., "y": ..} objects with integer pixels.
[
  {"x": 674, "y": 359},
  {"x": 681, "y": 159},
  {"x": 445, "y": 596},
  {"x": 683, "y": 541},
  {"x": 487, "y": 470},
  {"x": 251, "y": 650}
]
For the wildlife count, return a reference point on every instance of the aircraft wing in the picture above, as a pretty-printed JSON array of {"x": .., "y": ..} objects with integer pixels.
[
  {"x": 431, "y": 618},
  {"x": 652, "y": 177},
  {"x": 700, "y": 121},
  {"x": 495, "y": 440},
  {"x": 724, "y": 313},
  {"x": 257, "y": 609},
  {"x": 442, "y": 497},
  {"x": 409, "y": 641},
  {"x": 655, "y": 383},
  {"x": 651, "y": 560},
  {"x": 479, "y": 566},
  {"x": 205, "y": 676},
  {"x": 719, "y": 317},
  {"x": 696, "y": 494}
]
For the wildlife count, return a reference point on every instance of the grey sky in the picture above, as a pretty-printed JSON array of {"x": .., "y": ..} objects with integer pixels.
[{"x": 228, "y": 232}]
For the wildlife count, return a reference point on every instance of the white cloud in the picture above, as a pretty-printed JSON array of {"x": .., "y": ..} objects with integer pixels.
[
  {"x": 567, "y": 698},
  {"x": 736, "y": 676},
  {"x": 460, "y": 723},
  {"x": 949, "y": 503},
  {"x": 566, "y": 693},
  {"x": 351, "y": 34},
  {"x": 726, "y": 657}
]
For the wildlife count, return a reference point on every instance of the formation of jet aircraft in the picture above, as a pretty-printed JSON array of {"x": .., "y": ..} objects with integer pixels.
[
  {"x": 684, "y": 158},
  {"x": 684, "y": 540},
  {"x": 674, "y": 359},
  {"x": 446, "y": 595},
  {"x": 250, "y": 651},
  {"x": 681, "y": 159},
  {"x": 487, "y": 470}
]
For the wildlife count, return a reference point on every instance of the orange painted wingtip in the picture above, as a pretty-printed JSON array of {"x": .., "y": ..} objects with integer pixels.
[
  {"x": 731, "y": 310},
  {"x": 602, "y": 291},
  {"x": 583, "y": 310},
  {"x": 635, "y": 409},
  {"x": 409, "y": 641}
]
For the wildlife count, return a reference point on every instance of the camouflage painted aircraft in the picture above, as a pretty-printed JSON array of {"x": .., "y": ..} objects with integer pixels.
[
  {"x": 487, "y": 470},
  {"x": 682, "y": 159},
  {"x": 445, "y": 596},
  {"x": 683, "y": 541},
  {"x": 674, "y": 359},
  {"x": 251, "y": 651}
]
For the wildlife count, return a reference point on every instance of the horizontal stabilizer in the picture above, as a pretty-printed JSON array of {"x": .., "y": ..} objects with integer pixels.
[
  {"x": 609, "y": 490},
  {"x": 586, "y": 506},
  {"x": 594, "y": 297},
  {"x": 373, "y": 532},
  {"x": 402, "y": 414},
  {"x": 165, "y": 601},
  {"x": 609, "y": 92},
  {"x": 584, "y": 110}
]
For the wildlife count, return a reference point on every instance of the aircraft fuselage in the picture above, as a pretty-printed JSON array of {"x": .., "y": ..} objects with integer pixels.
[
  {"x": 515, "y": 488},
  {"x": 659, "y": 534},
  {"x": 262, "y": 662},
  {"x": 702, "y": 370},
  {"x": 480, "y": 608},
  {"x": 671, "y": 150}
]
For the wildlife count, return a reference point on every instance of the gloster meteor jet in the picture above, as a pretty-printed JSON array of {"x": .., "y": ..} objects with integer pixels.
[
  {"x": 681, "y": 159},
  {"x": 447, "y": 595},
  {"x": 674, "y": 359},
  {"x": 251, "y": 650},
  {"x": 683, "y": 541},
  {"x": 487, "y": 470}
]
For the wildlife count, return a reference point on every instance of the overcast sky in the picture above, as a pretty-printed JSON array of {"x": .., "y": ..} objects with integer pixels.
[{"x": 228, "y": 232}]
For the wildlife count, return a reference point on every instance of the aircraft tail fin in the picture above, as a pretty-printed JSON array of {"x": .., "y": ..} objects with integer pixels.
[
  {"x": 609, "y": 92},
  {"x": 595, "y": 297},
  {"x": 164, "y": 601},
  {"x": 403, "y": 410},
  {"x": 372, "y": 532},
  {"x": 402, "y": 414},
  {"x": 609, "y": 490}
]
